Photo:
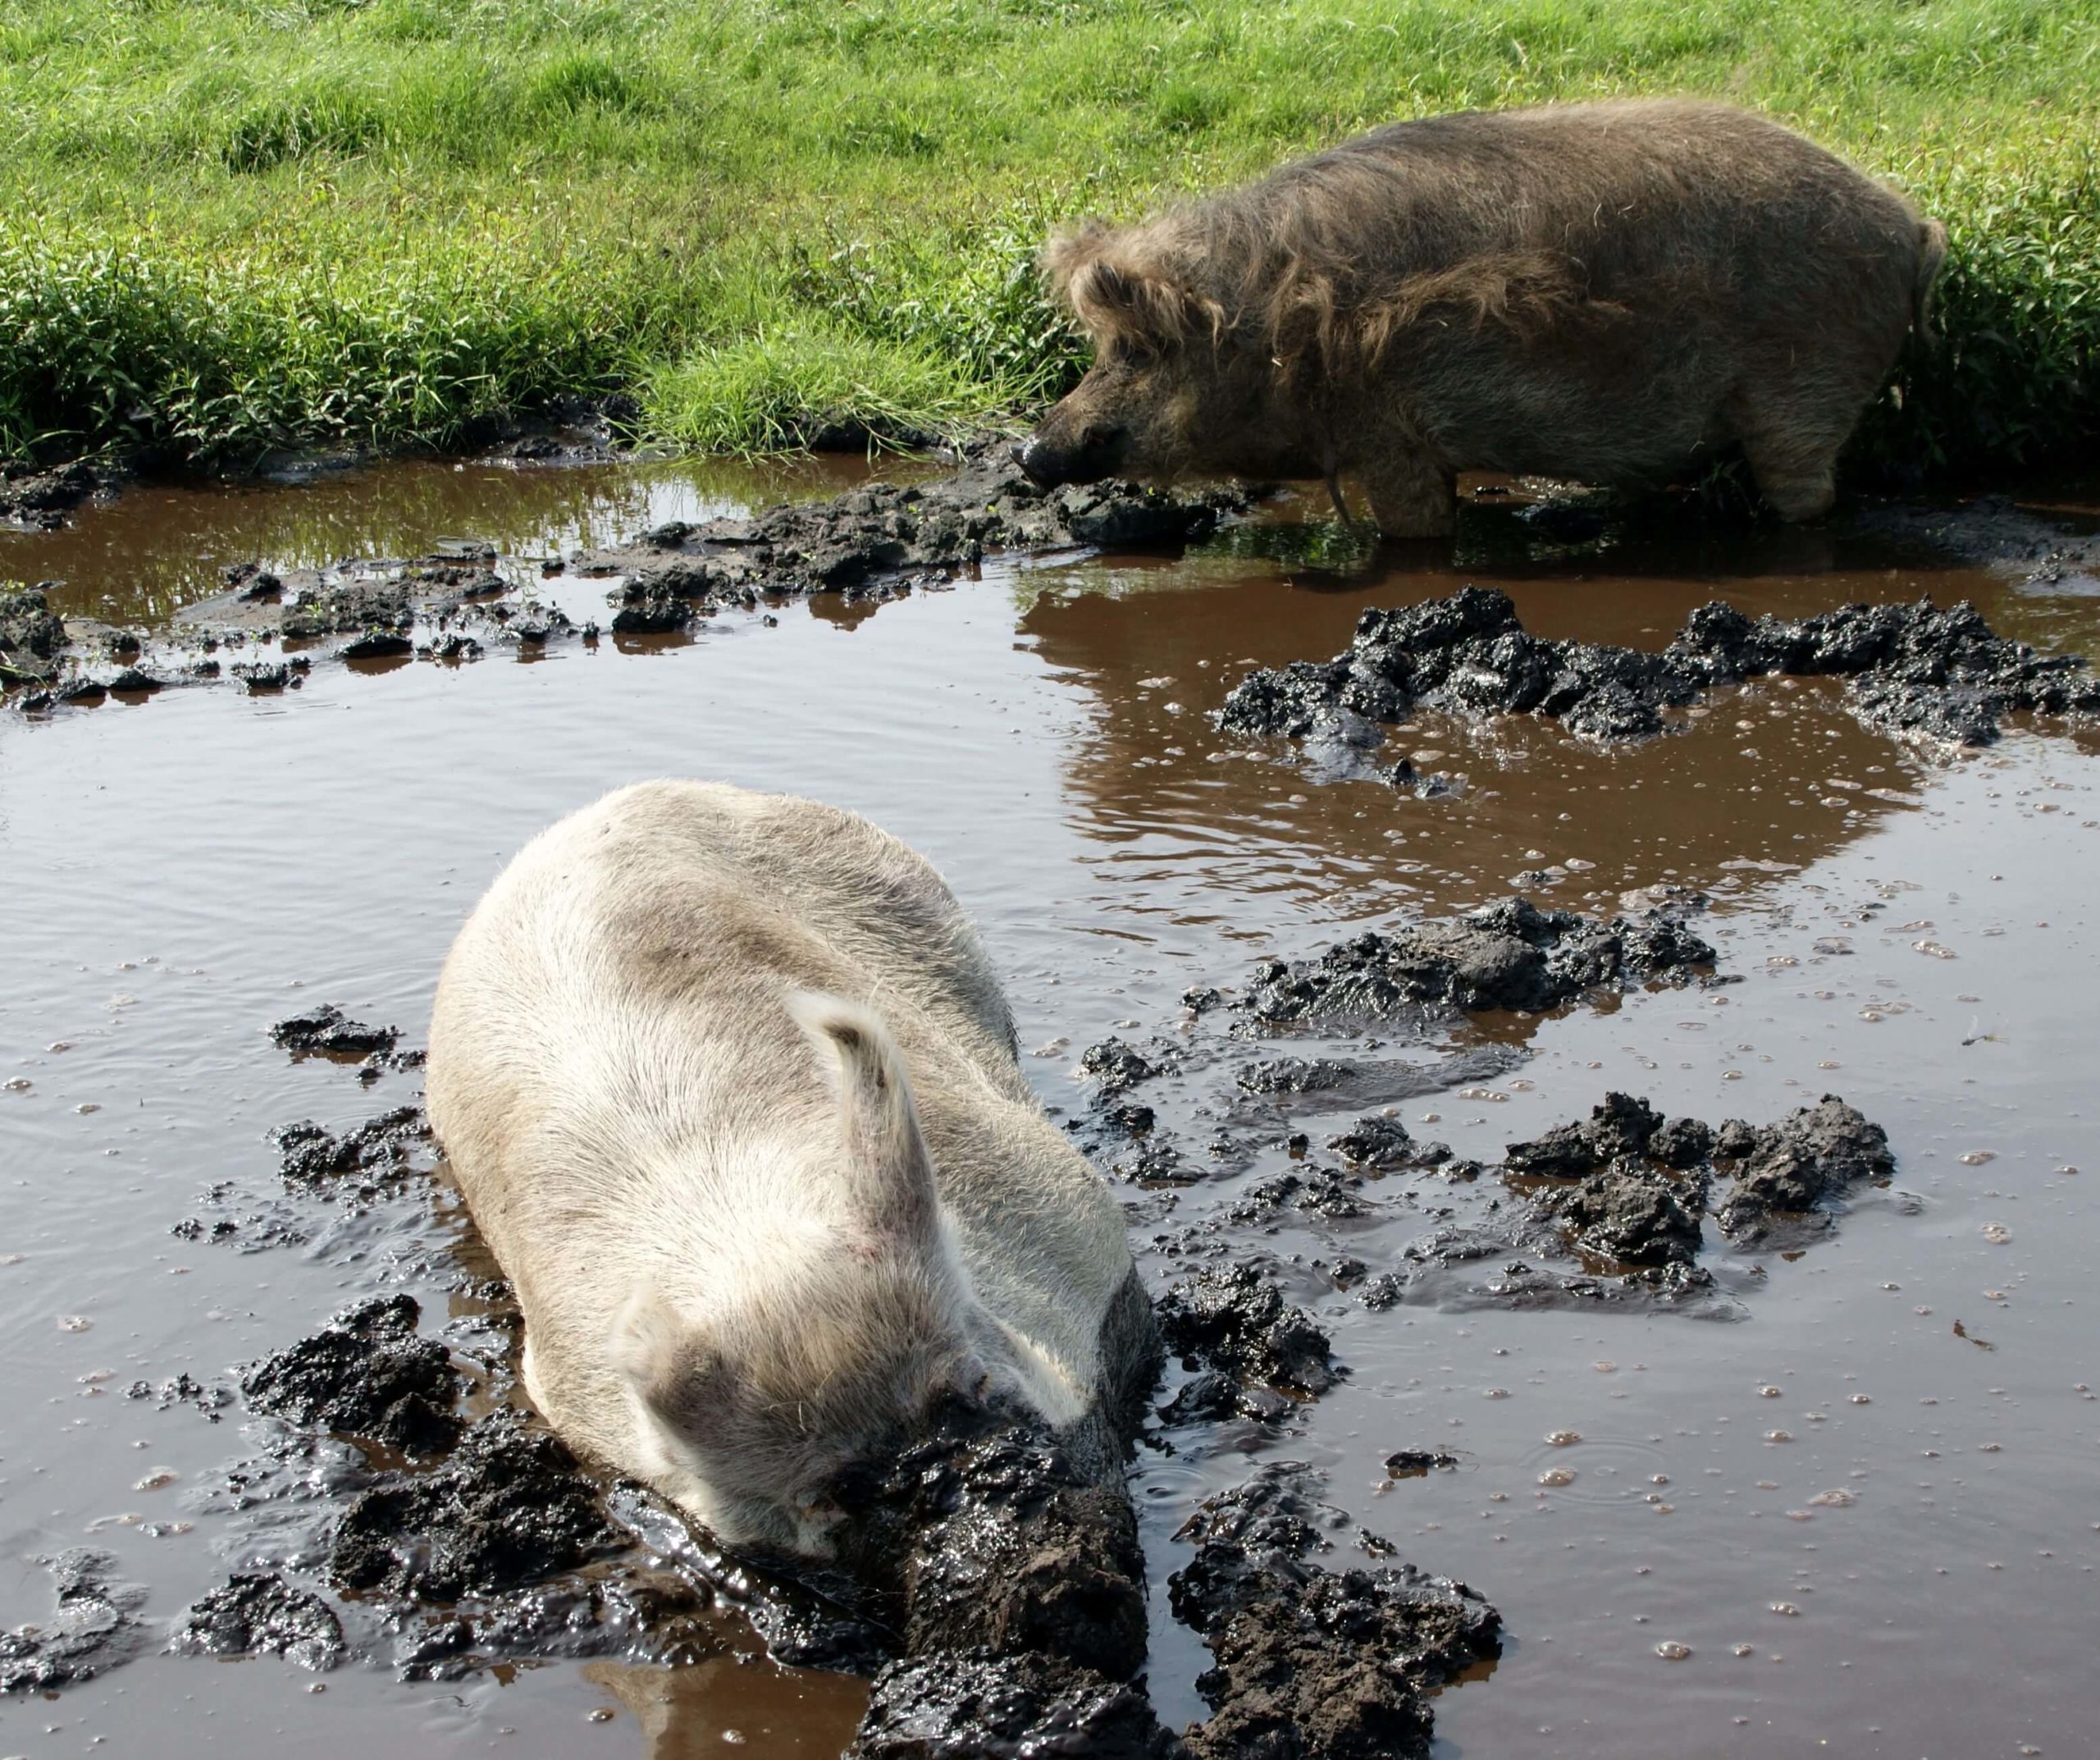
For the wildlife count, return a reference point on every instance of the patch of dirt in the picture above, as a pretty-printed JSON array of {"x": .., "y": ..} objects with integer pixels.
[{"x": 1941, "y": 674}]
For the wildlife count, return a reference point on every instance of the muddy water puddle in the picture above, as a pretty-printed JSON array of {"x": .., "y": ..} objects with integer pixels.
[
  {"x": 1856, "y": 1486},
  {"x": 164, "y": 546}
]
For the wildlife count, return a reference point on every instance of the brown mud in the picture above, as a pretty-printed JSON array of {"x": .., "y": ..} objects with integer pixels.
[{"x": 1841, "y": 1518}]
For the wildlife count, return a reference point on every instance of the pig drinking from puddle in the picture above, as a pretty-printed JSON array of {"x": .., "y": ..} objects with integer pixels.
[
  {"x": 731, "y": 1088},
  {"x": 1611, "y": 292}
]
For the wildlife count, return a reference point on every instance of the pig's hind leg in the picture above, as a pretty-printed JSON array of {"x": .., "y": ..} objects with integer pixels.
[{"x": 1413, "y": 495}]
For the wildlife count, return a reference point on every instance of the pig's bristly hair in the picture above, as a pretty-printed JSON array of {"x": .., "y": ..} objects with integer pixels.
[{"x": 1281, "y": 267}]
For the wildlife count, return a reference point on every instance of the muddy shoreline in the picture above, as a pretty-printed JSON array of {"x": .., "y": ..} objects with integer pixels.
[{"x": 1943, "y": 675}]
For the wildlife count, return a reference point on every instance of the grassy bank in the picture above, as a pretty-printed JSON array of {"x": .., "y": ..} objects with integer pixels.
[{"x": 239, "y": 225}]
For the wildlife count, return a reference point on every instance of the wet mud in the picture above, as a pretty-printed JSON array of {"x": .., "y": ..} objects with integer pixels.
[
  {"x": 39, "y": 500},
  {"x": 1940, "y": 674},
  {"x": 258, "y": 1613},
  {"x": 1308, "y": 1660},
  {"x": 91, "y": 1630},
  {"x": 883, "y": 539},
  {"x": 1509, "y": 955}
]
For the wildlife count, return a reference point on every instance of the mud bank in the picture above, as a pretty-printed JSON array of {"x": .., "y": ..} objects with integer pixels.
[
  {"x": 1939, "y": 675},
  {"x": 39, "y": 500},
  {"x": 885, "y": 540},
  {"x": 1309, "y": 1660},
  {"x": 266, "y": 629}
]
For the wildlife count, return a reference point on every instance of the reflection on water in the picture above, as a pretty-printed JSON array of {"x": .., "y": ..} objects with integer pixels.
[
  {"x": 737, "y": 1702},
  {"x": 181, "y": 873}
]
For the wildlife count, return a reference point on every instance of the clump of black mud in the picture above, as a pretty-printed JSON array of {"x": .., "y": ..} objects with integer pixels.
[
  {"x": 1232, "y": 1319},
  {"x": 31, "y": 637},
  {"x": 981, "y": 1705},
  {"x": 366, "y": 1374},
  {"x": 1939, "y": 674},
  {"x": 258, "y": 1612},
  {"x": 1507, "y": 955},
  {"x": 39, "y": 500},
  {"x": 379, "y": 1150},
  {"x": 327, "y": 1032},
  {"x": 877, "y": 541},
  {"x": 508, "y": 1509},
  {"x": 1627, "y": 1192},
  {"x": 1307, "y": 1660},
  {"x": 93, "y": 1629}
]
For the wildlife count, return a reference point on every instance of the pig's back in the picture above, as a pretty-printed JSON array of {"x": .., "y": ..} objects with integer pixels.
[{"x": 1633, "y": 190}]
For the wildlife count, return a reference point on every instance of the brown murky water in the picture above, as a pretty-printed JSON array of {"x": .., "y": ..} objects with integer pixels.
[{"x": 180, "y": 873}]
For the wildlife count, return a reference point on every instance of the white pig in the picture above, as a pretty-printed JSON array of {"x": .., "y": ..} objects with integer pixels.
[{"x": 732, "y": 1091}]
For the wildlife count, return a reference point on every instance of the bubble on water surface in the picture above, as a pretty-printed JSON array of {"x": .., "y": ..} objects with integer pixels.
[
  {"x": 1671, "y": 1651},
  {"x": 1556, "y": 1477},
  {"x": 1563, "y": 1438}
]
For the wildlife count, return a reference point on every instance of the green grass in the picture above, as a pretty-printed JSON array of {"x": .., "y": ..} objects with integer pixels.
[{"x": 233, "y": 225}]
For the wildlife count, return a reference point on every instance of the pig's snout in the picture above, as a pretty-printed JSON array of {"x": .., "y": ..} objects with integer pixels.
[{"x": 1053, "y": 454}]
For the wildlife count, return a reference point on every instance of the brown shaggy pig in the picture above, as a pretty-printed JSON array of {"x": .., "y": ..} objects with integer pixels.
[
  {"x": 729, "y": 1084},
  {"x": 1610, "y": 292}
]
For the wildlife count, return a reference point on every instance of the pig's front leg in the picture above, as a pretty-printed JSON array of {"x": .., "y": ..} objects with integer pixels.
[{"x": 1413, "y": 495}]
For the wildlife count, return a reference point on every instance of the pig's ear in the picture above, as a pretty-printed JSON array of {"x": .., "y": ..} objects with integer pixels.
[
  {"x": 1069, "y": 252},
  {"x": 1116, "y": 294},
  {"x": 668, "y": 1359},
  {"x": 889, "y": 1171}
]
